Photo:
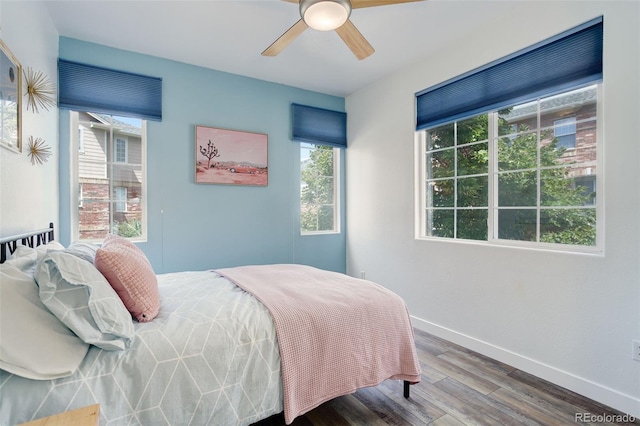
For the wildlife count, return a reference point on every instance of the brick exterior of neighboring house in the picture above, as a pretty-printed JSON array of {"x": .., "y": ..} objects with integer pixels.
[
  {"x": 580, "y": 106},
  {"x": 99, "y": 209}
]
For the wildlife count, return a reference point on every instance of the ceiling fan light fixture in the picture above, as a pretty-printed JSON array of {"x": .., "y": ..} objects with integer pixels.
[{"x": 325, "y": 15}]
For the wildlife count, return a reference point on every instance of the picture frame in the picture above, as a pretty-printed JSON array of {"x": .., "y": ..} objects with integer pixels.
[
  {"x": 230, "y": 157},
  {"x": 10, "y": 100}
]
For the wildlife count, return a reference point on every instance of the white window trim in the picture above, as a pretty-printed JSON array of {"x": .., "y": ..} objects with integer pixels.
[
  {"x": 143, "y": 202},
  {"x": 74, "y": 181},
  {"x": 420, "y": 198},
  {"x": 336, "y": 202}
]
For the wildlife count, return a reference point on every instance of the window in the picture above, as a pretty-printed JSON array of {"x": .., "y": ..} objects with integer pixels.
[
  {"x": 321, "y": 134},
  {"x": 505, "y": 175},
  {"x": 319, "y": 177},
  {"x": 121, "y": 199},
  {"x": 587, "y": 184},
  {"x": 565, "y": 131},
  {"x": 80, "y": 140},
  {"x": 120, "y": 150},
  {"x": 508, "y": 152},
  {"x": 457, "y": 170},
  {"x": 109, "y": 176}
]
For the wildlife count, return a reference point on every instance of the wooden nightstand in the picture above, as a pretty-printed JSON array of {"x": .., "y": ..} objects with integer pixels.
[{"x": 85, "y": 416}]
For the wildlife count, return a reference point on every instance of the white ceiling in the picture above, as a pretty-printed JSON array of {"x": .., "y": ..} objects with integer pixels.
[{"x": 230, "y": 35}]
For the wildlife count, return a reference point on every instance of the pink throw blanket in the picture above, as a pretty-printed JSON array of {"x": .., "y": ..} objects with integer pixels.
[{"x": 336, "y": 333}]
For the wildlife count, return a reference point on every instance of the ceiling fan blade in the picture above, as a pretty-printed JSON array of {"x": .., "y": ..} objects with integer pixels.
[
  {"x": 355, "y": 40},
  {"x": 358, "y": 4},
  {"x": 286, "y": 38}
]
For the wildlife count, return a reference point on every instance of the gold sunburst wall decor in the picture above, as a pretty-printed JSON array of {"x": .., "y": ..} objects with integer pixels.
[
  {"x": 40, "y": 91},
  {"x": 38, "y": 152}
]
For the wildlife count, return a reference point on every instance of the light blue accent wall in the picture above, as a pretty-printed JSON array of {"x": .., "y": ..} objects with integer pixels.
[{"x": 195, "y": 226}]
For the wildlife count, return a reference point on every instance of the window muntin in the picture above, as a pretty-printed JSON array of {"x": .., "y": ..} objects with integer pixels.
[
  {"x": 503, "y": 177},
  {"x": 109, "y": 175},
  {"x": 319, "y": 189}
]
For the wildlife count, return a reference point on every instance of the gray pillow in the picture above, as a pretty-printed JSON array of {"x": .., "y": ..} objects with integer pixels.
[
  {"x": 83, "y": 250},
  {"x": 77, "y": 293},
  {"x": 34, "y": 344}
]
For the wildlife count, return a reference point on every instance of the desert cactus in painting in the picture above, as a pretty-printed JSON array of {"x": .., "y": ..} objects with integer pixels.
[{"x": 210, "y": 152}]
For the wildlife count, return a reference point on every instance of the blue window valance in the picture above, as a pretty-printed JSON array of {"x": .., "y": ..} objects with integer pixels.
[
  {"x": 319, "y": 126},
  {"x": 107, "y": 91},
  {"x": 570, "y": 59}
]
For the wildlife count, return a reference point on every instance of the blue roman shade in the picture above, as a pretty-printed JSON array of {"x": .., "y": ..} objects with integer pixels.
[
  {"x": 319, "y": 126},
  {"x": 570, "y": 59},
  {"x": 102, "y": 90}
]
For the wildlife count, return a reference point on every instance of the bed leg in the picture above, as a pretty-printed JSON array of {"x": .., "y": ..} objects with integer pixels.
[{"x": 406, "y": 389}]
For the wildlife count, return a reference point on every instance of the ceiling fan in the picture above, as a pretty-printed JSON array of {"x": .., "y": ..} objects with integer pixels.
[{"x": 327, "y": 15}]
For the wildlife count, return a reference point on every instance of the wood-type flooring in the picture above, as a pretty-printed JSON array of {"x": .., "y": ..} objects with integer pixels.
[{"x": 459, "y": 387}]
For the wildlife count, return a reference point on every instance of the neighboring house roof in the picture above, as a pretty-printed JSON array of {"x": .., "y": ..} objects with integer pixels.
[
  {"x": 123, "y": 126},
  {"x": 579, "y": 97}
]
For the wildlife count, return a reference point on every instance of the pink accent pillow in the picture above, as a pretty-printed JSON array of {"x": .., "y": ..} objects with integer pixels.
[{"x": 130, "y": 274}]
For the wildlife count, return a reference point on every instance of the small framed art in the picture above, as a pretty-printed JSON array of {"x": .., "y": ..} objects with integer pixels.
[{"x": 231, "y": 157}]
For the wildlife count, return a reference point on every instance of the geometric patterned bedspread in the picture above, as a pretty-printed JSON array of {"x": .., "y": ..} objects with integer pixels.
[{"x": 209, "y": 358}]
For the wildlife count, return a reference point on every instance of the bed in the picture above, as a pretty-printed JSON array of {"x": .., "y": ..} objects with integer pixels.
[{"x": 222, "y": 347}]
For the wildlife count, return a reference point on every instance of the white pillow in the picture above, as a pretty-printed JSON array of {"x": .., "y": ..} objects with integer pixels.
[
  {"x": 51, "y": 245},
  {"x": 77, "y": 293},
  {"x": 33, "y": 342},
  {"x": 26, "y": 258},
  {"x": 41, "y": 249}
]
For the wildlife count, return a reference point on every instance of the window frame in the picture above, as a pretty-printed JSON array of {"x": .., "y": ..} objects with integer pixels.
[
  {"x": 337, "y": 227},
  {"x": 420, "y": 174}
]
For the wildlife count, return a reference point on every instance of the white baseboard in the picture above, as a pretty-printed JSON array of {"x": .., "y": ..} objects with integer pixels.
[{"x": 625, "y": 403}]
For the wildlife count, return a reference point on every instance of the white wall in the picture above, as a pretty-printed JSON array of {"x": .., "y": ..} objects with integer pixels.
[
  {"x": 564, "y": 317},
  {"x": 29, "y": 194}
]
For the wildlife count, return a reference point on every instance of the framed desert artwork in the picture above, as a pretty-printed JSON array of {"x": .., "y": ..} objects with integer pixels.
[{"x": 231, "y": 157}]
